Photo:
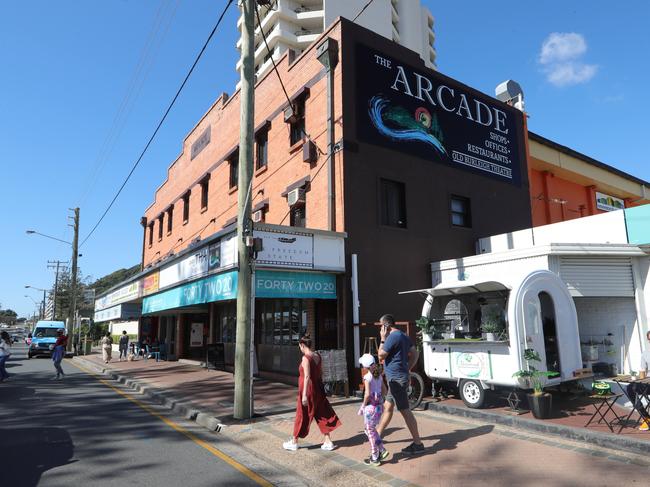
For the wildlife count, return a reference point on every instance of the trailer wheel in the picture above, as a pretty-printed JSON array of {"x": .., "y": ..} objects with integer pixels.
[{"x": 472, "y": 393}]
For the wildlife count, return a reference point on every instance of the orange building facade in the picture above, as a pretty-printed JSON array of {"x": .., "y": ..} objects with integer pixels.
[{"x": 565, "y": 184}]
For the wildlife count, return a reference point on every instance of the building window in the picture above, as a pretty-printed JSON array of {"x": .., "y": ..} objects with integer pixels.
[
  {"x": 261, "y": 148},
  {"x": 392, "y": 197},
  {"x": 161, "y": 219},
  {"x": 205, "y": 183},
  {"x": 460, "y": 212},
  {"x": 170, "y": 218},
  {"x": 186, "y": 207},
  {"x": 282, "y": 321},
  {"x": 297, "y": 123},
  {"x": 151, "y": 234},
  {"x": 298, "y": 216},
  {"x": 234, "y": 169}
]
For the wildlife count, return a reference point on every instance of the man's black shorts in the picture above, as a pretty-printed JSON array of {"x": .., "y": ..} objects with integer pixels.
[{"x": 398, "y": 394}]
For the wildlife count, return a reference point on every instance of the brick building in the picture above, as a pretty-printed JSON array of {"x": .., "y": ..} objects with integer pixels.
[{"x": 424, "y": 166}]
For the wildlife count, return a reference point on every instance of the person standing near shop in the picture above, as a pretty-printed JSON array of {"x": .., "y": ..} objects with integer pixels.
[
  {"x": 107, "y": 347},
  {"x": 399, "y": 356},
  {"x": 5, "y": 352},
  {"x": 124, "y": 345}
]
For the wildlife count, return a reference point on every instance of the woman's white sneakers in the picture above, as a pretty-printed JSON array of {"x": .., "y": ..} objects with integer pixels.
[
  {"x": 290, "y": 445},
  {"x": 293, "y": 446}
]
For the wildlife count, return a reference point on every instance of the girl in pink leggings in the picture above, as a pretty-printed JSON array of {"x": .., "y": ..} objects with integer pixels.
[{"x": 372, "y": 408}]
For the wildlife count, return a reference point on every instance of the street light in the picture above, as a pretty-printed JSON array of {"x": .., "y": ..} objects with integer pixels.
[
  {"x": 27, "y": 286},
  {"x": 32, "y": 232},
  {"x": 73, "y": 277}
]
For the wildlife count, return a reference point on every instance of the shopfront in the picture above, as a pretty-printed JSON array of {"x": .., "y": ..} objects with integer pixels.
[{"x": 295, "y": 283}]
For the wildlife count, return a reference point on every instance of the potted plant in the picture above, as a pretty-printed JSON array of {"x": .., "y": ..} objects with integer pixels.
[
  {"x": 539, "y": 401},
  {"x": 428, "y": 328},
  {"x": 492, "y": 329}
]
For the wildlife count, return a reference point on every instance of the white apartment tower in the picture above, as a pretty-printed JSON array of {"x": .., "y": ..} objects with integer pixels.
[{"x": 295, "y": 24}]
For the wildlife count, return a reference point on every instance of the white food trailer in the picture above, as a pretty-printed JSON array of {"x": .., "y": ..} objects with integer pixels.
[{"x": 533, "y": 292}]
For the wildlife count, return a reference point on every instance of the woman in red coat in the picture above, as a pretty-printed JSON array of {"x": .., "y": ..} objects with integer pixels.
[{"x": 312, "y": 403}]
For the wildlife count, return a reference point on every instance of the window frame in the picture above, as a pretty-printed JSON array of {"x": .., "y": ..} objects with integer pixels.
[
  {"x": 151, "y": 230},
  {"x": 170, "y": 219},
  {"x": 205, "y": 188},
  {"x": 401, "y": 220},
  {"x": 161, "y": 222},
  {"x": 298, "y": 129},
  {"x": 302, "y": 207},
  {"x": 186, "y": 206},
  {"x": 465, "y": 215},
  {"x": 262, "y": 136},
  {"x": 233, "y": 161}
]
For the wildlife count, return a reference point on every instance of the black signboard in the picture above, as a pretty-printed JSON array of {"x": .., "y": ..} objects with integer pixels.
[
  {"x": 423, "y": 113},
  {"x": 215, "y": 356}
]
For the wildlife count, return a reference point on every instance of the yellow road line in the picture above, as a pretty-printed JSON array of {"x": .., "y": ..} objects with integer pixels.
[{"x": 217, "y": 453}]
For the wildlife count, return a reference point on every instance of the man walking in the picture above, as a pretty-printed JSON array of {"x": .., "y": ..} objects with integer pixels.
[
  {"x": 124, "y": 345},
  {"x": 399, "y": 356}
]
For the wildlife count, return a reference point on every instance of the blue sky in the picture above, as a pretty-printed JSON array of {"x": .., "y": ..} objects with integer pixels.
[{"x": 84, "y": 84}]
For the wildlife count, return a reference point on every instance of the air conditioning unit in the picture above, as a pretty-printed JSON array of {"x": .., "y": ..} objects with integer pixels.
[
  {"x": 258, "y": 216},
  {"x": 296, "y": 197},
  {"x": 293, "y": 113}
]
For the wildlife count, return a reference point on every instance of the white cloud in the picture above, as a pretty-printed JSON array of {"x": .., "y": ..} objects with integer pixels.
[
  {"x": 559, "y": 47},
  {"x": 565, "y": 74},
  {"x": 560, "y": 58}
]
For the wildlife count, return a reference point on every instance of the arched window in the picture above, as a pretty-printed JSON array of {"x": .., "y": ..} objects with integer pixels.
[{"x": 456, "y": 311}]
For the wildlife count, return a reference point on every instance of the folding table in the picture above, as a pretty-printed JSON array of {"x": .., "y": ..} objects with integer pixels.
[{"x": 640, "y": 402}]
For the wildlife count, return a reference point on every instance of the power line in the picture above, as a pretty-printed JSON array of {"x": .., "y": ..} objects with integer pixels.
[
  {"x": 146, "y": 60},
  {"x": 268, "y": 50},
  {"x": 178, "y": 92},
  {"x": 362, "y": 10},
  {"x": 275, "y": 68}
]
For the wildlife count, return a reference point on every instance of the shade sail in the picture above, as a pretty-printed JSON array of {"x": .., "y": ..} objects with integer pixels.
[{"x": 460, "y": 287}]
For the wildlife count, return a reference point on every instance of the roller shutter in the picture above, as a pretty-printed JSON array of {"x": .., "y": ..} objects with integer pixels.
[{"x": 588, "y": 276}]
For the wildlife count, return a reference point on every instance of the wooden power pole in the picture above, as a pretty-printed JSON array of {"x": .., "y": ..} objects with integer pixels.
[
  {"x": 243, "y": 382},
  {"x": 73, "y": 276}
]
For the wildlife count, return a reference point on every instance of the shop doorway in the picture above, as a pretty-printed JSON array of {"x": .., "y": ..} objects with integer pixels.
[
  {"x": 326, "y": 324},
  {"x": 167, "y": 337},
  {"x": 195, "y": 336},
  {"x": 550, "y": 332}
]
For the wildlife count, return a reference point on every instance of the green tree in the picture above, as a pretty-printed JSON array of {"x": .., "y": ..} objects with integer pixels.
[{"x": 8, "y": 316}]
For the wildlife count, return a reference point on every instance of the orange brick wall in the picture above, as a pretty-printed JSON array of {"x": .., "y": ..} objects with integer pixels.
[{"x": 284, "y": 167}]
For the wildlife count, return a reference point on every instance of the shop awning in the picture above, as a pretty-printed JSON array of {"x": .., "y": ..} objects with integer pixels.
[{"x": 461, "y": 287}]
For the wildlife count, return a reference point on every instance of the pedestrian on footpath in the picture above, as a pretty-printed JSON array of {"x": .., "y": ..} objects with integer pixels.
[
  {"x": 124, "y": 345},
  {"x": 59, "y": 352},
  {"x": 107, "y": 347},
  {"x": 399, "y": 356},
  {"x": 372, "y": 407},
  {"x": 312, "y": 403},
  {"x": 639, "y": 388},
  {"x": 5, "y": 352}
]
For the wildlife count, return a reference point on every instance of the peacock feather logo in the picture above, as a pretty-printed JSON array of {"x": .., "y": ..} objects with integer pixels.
[{"x": 397, "y": 123}]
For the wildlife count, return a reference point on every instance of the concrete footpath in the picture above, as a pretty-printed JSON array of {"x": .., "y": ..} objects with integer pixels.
[{"x": 460, "y": 450}]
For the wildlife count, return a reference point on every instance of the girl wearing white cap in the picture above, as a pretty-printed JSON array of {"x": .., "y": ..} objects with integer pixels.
[{"x": 372, "y": 408}]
